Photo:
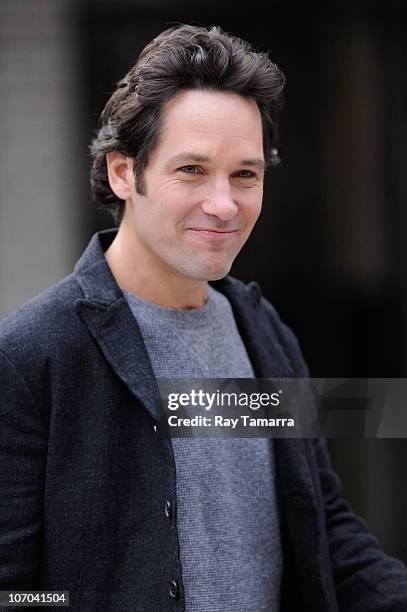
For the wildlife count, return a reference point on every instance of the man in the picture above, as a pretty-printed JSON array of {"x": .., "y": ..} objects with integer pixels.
[{"x": 94, "y": 499}]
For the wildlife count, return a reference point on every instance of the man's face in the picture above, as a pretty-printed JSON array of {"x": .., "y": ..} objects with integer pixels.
[{"x": 203, "y": 184}]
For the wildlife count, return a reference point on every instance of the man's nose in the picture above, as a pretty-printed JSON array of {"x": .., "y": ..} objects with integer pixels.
[{"x": 220, "y": 203}]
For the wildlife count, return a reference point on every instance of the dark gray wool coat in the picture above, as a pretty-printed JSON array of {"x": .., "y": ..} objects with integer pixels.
[{"x": 85, "y": 475}]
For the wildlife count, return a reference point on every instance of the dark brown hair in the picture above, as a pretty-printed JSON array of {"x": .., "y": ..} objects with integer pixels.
[{"x": 182, "y": 57}]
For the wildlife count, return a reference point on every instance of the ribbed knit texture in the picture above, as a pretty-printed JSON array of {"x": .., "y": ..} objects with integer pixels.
[{"x": 226, "y": 505}]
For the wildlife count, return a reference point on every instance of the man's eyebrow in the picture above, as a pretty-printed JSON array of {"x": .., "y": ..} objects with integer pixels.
[
  {"x": 256, "y": 162},
  {"x": 188, "y": 156}
]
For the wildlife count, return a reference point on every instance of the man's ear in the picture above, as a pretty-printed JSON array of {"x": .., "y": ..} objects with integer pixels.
[{"x": 120, "y": 173}]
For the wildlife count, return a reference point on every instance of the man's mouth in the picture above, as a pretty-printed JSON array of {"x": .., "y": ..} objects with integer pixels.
[{"x": 212, "y": 231}]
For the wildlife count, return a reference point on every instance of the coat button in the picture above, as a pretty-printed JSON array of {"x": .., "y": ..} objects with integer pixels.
[
  {"x": 173, "y": 589},
  {"x": 168, "y": 509}
]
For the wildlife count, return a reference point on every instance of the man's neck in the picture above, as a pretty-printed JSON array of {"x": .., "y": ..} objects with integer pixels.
[{"x": 162, "y": 287}]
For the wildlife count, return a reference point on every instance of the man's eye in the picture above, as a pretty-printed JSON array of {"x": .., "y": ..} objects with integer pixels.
[
  {"x": 246, "y": 174},
  {"x": 189, "y": 169}
]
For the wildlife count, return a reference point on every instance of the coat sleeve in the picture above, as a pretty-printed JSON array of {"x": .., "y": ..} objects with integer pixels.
[
  {"x": 22, "y": 466},
  {"x": 366, "y": 579}
]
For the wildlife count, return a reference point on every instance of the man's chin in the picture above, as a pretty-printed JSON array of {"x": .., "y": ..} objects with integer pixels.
[
  {"x": 213, "y": 273},
  {"x": 215, "y": 277},
  {"x": 205, "y": 269}
]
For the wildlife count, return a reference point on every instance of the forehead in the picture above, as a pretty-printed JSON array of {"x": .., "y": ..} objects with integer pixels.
[{"x": 211, "y": 122}]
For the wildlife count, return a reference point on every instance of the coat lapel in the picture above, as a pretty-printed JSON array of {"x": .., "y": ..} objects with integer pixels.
[{"x": 105, "y": 312}]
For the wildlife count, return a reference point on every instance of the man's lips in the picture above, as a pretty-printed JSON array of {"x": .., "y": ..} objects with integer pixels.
[{"x": 211, "y": 231}]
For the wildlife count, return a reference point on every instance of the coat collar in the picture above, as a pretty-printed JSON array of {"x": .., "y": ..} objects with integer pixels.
[{"x": 93, "y": 273}]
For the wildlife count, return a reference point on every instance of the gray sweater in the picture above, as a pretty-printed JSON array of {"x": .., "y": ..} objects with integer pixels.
[{"x": 227, "y": 511}]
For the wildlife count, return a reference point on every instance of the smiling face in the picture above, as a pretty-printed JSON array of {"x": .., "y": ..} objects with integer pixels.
[{"x": 203, "y": 187}]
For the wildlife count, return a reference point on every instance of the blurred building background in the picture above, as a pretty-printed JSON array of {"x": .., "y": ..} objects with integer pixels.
[{"x": 330, "y": 250}]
